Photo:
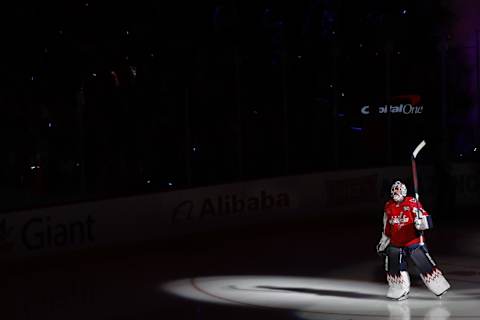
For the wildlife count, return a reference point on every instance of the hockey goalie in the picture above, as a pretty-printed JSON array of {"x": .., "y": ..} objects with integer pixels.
[{"x": 404, "y": 221}]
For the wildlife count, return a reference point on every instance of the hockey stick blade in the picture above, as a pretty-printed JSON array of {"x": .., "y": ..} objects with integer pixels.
[{"x": 418, "y": 148}]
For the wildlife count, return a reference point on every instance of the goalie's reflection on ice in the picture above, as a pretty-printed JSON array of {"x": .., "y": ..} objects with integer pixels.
[
  {"x": 322, "y": 299},
  {"x": 397, "y": 310},
  {"x": 400, "y": 310}
]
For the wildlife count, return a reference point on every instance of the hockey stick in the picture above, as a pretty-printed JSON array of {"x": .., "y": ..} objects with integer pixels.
[
  {"x": 414, "y": 167},
  {"x": 415, "y": 152}
]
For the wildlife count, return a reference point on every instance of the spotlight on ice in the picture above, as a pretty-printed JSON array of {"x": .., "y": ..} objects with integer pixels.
[{"x": 324, "y": 298}]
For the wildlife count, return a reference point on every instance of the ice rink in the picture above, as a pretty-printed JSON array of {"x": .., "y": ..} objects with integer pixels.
[{"x": 295, "y": 270}]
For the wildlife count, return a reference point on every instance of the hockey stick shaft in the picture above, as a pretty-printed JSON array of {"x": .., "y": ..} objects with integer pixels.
[
  {"x": 415, "y": 178},
  {"x": 414, "y": 174}
]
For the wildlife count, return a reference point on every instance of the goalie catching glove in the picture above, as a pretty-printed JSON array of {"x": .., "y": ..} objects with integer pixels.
[{"x": 383, "y": 245}]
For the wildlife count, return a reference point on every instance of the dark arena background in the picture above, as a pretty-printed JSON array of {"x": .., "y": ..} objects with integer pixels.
[{"x": 231, "y": 159}]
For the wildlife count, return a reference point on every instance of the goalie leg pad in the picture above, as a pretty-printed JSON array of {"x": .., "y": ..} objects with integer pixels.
[
  {"x": 431, "y": 276},
  {"x": 395, "y": 261},
  {"x": 397, "y": 276},
  {"x": 422, "y": 259},
  {"x": 435, "y": 282},
  {"x": 398, "y": 285}
]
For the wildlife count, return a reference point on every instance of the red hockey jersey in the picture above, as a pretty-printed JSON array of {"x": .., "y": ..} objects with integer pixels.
[{"x": 399, "y": 222}]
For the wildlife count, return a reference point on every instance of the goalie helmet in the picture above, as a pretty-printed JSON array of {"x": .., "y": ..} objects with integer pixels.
[{"x": 398, "y": 191}]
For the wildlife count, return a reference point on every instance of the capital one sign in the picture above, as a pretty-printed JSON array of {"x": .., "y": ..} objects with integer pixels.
[{"x": 406, "y": 109}]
